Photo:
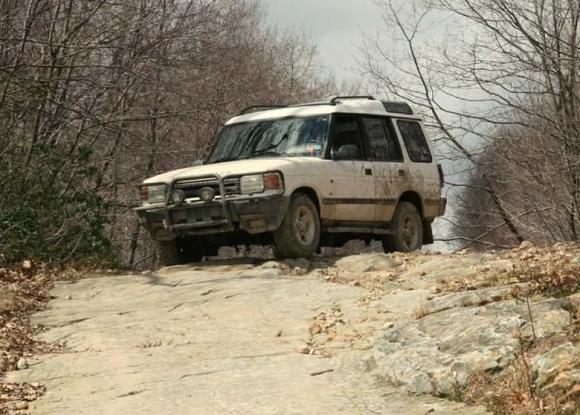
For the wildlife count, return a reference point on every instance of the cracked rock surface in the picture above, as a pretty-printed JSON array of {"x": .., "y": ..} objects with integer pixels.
[
  {"x": 439, "y": 352},
  {"x": 219, "y": 339}
]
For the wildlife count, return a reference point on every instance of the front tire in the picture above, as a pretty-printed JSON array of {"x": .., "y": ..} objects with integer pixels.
[
  {"x": 408, "y": 230},
  {"x": 299, "y": 234}
]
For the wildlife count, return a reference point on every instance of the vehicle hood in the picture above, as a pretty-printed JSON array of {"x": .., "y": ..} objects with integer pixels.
[{"x": 229, "y": 168}]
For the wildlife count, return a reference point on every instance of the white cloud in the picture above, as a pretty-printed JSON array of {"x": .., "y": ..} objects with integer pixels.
[{"x": 336, "y": 26}]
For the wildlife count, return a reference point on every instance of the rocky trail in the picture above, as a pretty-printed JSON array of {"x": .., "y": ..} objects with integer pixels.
[{"x": 364, "y": 334}]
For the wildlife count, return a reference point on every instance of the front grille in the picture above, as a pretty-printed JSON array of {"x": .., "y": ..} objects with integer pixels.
[
  {"x": 232, "y": 186},
  {"x": 192, "y": 187}
]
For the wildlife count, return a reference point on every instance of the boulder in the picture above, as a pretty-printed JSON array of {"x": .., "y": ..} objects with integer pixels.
[{"x": 557, "y": 370}]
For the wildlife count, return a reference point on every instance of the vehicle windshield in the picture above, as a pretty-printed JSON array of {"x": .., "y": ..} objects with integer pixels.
[{"x": 284, "y": 137}]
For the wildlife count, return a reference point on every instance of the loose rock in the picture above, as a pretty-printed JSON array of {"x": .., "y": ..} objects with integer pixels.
[
  {"x": 22, "y": 364},
  {"x": 304, "y": 349}
]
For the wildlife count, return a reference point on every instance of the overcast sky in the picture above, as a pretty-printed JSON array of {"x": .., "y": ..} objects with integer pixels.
[{"x": 336, "y": 26}]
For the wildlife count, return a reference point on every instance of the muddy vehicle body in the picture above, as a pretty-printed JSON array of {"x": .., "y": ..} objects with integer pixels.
[{"x": 301, "y": 177}]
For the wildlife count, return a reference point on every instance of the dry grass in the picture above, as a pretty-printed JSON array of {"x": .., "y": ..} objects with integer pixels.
[
  {"x": 548, "y": 270},
  {"x": 421, "y": 311},
  {"x": 512, "y": 390}
]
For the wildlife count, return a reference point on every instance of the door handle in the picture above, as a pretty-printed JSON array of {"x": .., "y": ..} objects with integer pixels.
[
  {"x": 402, "y": 172},
  {"x": 369, "y": 172}
]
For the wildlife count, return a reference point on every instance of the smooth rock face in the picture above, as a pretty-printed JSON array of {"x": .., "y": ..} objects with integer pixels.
[
  {"x": 558, "y": 369},
  {"x": 438, "y": 353},
  {"x": 213, "y": 339}
]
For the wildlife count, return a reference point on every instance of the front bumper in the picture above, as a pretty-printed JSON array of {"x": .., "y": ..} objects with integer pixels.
[{"x": 254, "y": 215}]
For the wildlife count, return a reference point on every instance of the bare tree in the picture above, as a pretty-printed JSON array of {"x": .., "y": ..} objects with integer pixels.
[
  {"x": 97, "y": 95},
  {"x": 500, "y": 89}
]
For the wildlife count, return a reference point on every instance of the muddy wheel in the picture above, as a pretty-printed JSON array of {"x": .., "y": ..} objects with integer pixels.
[
  {"x": 408, "y": 230},
  {"x": 299, "y": 234}
]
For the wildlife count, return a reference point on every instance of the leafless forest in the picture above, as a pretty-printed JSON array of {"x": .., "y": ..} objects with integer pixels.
[
  {"x": 95, "y": 95},
  {"x": 498, "y": 81}
]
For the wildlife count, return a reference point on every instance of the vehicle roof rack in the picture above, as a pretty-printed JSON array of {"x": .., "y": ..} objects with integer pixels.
[
  {"x": 309, "y": 104},
  {"x": 255, "y": 107},
  {"x": 335, "y": 100},
  {"x": 396, "y": 107}
]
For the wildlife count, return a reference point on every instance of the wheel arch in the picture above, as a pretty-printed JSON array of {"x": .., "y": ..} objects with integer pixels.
[
  {"x": 311, "y": 193},
  {"x": 414, "y": 198}
]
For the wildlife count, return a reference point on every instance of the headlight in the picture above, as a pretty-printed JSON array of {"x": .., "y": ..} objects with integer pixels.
[
  {"x": 258, "y": 183},
  {"x": 252, "y": 184},
  {"x": 177, "y": 196},
  {"x": 153, "y": 194}
]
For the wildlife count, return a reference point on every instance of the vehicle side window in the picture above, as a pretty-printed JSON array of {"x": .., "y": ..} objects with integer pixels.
[
  {"x": 382, "y": 142},
  {"x": 415, "y": 141},
  {"x": 346, "y": 138}
]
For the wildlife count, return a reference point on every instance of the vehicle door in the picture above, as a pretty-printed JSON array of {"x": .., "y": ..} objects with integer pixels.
[
  {"x": 350, "y": 193},
  {"x": 423, "y": 173},
  {"x": 390, "y": 173}
]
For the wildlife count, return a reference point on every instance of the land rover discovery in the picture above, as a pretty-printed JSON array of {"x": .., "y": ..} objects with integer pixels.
[{"x": 300, "y": 177}]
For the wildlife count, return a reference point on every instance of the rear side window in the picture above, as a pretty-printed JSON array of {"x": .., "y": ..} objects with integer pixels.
[
  {"x": 382, "y": 142},
  {"x": 415, "y": 141},
  {"x": 346, "y": 133}
]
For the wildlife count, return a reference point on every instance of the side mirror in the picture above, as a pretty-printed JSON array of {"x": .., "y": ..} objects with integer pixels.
[{"x": 347, "y": 152}]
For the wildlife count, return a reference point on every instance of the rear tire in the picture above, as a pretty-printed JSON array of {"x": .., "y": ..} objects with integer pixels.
[
  {"x": 408, "y": 230},
  {"x": 299, "y": 234}
]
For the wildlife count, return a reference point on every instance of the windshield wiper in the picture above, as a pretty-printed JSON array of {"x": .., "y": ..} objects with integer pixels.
[{"x": 270, "y": 150}]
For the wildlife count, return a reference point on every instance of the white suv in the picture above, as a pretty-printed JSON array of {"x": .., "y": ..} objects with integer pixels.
[{"x": 300, "y": 177}]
